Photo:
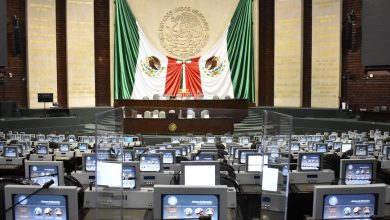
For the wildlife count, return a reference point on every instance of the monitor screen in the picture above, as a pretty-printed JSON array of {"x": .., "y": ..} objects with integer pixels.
[
  {"x": 41, "y": 207},
  {"x": 82, "y": 146},
  {"x": 2, "y": 145},
  {"x": 42, "y": 149},
  {"x": 210, "y": 140},
  {"x": 140, "y": 150},
  {"x": 129, "y": 173},
  {"x": 103, "y": 154},
  {"x": 200, "y": 173},
  {"x": 310, "y": 161},
  {"x": 108, "y": 174},
  {"x": 128, "y": 155},
  {"x": 354, "y": 172},
  {"x": 254, "y": 163},
  {"x": 178, "y": 206},
  {"x": 43, "y": 171},
  {"x": 179, "y": 151},
  {"x": 346, "y": 147},
  {"x": 370, "y": 147},
  {"x": 89, "y": 162},
  {"x": 346, "y": 206},
  {"x": 55, "y": 139},
  {"x": 322, "y": 147},
  {"x": 295, "y": 146},
  {"x": 270, "y": 179},
  {"x": 242, "y": 154},
  {"x": 150, "y": 163},
  {"x": 361, "y": 150},
  {"x": 11, "y": 152},
  {"x": 236, "y": 151},
  {"x": 208, "y": 156},
  {"x": 385, "y": 149},
  {"x": 64, "y": 147},
  {"x": 388, "y": 153},
  {"x": 168, "y": 156},
  {"x": 337, "y": 145},
  {"x": 127, "y": 139}
]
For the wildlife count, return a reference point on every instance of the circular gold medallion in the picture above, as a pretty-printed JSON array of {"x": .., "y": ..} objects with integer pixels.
[
  {"x": 172, "y": 127},
  {"x": 183, "y": 32}
]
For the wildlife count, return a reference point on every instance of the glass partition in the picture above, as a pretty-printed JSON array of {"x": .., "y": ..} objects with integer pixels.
[
  {"x": 109, "y": 194},
  {"x": 275, "y": 176}
]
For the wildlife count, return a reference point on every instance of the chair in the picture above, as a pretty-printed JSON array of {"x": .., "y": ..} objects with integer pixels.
[
  {"x": 147, "y": 114},
  {"x": 145, "y": 98},
  {"x": 384, "y": 108},
  {"x": 228, "y": 97},
  {"x": 215, "y": 97},
  {"x": 172, "y": 111},
  {"x": 205, "y": 114},
  {"x": 190, "y": 113},
  {"x": 156, "y": 97},
  {"x": 161, "y": 114},
  {"x": 155, "y": 114}
]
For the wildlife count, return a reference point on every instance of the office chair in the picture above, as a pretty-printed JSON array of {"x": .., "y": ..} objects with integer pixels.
[{"x": 223, "y": 166}]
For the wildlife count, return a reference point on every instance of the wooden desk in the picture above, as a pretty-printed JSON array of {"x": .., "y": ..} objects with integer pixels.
[
  {"x": 185, "y": 103},
  {"x": 178, "y": 126}
]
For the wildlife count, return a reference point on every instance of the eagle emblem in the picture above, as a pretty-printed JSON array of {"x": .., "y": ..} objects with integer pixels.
[
  {"x": 214, "y": 66},
  {"x": 151, "y": 65}
]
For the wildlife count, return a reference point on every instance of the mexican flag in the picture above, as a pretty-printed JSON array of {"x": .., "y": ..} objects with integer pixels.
[{"x": 225, "y": 70}]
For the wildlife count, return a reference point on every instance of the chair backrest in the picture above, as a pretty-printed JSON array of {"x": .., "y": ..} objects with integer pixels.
[
  {"x": 145, "y": 98},
  {"x": 147, "y": 114},
  {"x": 228, "y": 97},
  {"x": 204, "y": 113},
  {"x": 161, "y": 114},
  {"x": 172, "y": 111},
  {"x": 384, "y": 108},
  {"x": 215, "y": 97},
  {"x": 190, "y": 113},
  {"x": 156, "y": 96}
]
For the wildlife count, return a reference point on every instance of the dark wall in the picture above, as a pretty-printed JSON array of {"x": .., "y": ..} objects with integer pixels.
[
  {"x": 3, "y": 33},
  {"x": 358, "y": 89}
]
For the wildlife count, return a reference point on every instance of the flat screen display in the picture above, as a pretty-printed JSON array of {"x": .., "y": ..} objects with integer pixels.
[
  {"x": 42, "y": 149},
  {"x": 346, "y": 147},
  {"x": 270, "y": 179},
  {"x": 39, "y": 207},
  {"x": 128, "y": 177},
  {"x": 90, "y": 163},
  {"x": 178, "y": 151},
  {"x": 357, "y": 206},
  {"x": 103, "y": 154},
  {"x": 11, "y": 152},
  {"x": 40, "y": 137},
  {"x": 2, "y": 145},
  {"x": 310, "y": 162},
  {"x": 150, "y": 163},
  {"x": 254, "y": 163},
  {"x": 210, "y": 140},
  {"x": 109, "y": 174},
  {"x": 205, "y": 156},
  {"x": 128, "y": 156},
  {"x": 337, "y": 145},
  {"x": 295, "y": 146},
  {"x": 83, "y": 146},
  {"x": 127, "y": 139},
  {"x": 64, "y": 148},
  {"x": 358, "y": 173},
  {"x": 199, "y": 175},
  {"x": 168, "y": 157},
  {"x": 43, "y": 173},
  {"x": 189, "y": 206},
  {"x": 370, "y": 147},
  {"x": 242, "y": 155},
  {"x": 388, "y": 154},
  {"x": 361, "y": 150},
  {"x": 322, "y": 148}
]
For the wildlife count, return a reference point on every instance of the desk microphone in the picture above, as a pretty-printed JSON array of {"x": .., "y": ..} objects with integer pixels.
[
  {"x": 45, "y": 186},
  {"x": 143, "y": 152}
]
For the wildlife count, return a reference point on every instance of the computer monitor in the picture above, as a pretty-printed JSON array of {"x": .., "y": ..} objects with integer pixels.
[
  {"x": 357, "y": 171},
  {"x": 348, "y": 202},
  {"x": 360, "y": 150},
  {"x": 56, "y": 138},
  {"x": 10, "y": 152},
  {"x": 71, "y": 138},
  {"x": 188, "y": 148},
  {"x": 130, "y": 175},
  {"x": 178, "y": 151},
  {"x": 242, "y": 154},
  {"x": 370, "y": 147},
  {"x": 151, "y": 162},
  {"x": 102, "y": 154},
  {"x": 205, "y": 155},
  {"x": 89, "y": 162},
  {"x": 64, "y": 147},
  {"x": 346, "y": 147},
  {"x": 190, "y": 202},
  {"x": 270, "y": 179},
  {"x": 321, "y": 147},
  {"x": 2, "y": 145},
  {"x": 40, "y": 137},
  {"x": 109, "y": 174},
  {"x": 254, "y": 163},
  {"x": 236, "y": 150},
  {"x": 128, "y": 155},
  {"x": 385, "y": 149},
  {"x": 42, "y": 172},
  {"x": 43, "y": 148},
  {"x": 337, "y": 145},
  {"x": 140, "y": 150},
  {"x": 231, "y": 147},
  {"x": 387, "y": 157},
  {"x": 295, "y": 146},
  {"x": 169, "y": 156},
  {"x": 200, "y": 173},
  {"x": 82, "y": 146},
  {"x": 60, "y": 203},
  {"x": 309, "y": 161},
  {"x": 210, "y": 140},
  {"x": 244, "y": 140}
]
